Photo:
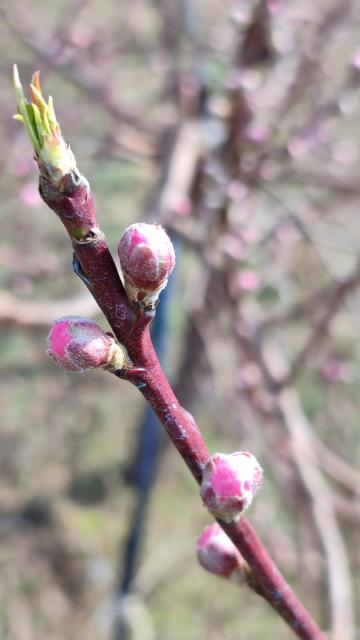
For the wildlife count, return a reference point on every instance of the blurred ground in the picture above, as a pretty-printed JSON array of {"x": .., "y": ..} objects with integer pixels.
[{"x": 66, "y": 441}]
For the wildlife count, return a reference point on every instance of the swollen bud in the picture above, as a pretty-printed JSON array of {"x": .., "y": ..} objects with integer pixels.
[
  {"x": 147, "y": 258},
  {"x": 77, "y": 343},
  {"x": 229, "y": 483},
  {"x": 216, "y": 553}
]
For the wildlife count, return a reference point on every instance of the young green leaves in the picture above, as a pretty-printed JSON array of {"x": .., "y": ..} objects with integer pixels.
[{"x": 52, "y": 153}]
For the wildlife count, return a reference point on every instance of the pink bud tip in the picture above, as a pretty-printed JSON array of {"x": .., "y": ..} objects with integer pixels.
[
  {"x": 147, "y": 258},
  {"x": 77, "y": 343},
  {"x": 216, "y": 553},
  {"x": 229, "y": 483}
]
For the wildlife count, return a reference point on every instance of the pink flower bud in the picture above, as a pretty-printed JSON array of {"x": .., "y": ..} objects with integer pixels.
[
  {"x": 77, "y": 344},
  {"x": 216, "y": 553},
  {"x": 147, "y": 258},
  {"x": 229, "y": 483}
]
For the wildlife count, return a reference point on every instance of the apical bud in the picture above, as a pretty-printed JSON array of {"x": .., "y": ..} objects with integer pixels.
[
  {"x": 147, "y": 258},
  {"x": 229, "y": 483},
  {"x": 38, "y": 116},
  {"x": 77, "y": 343},
  {"x": 216, "y": 553}
]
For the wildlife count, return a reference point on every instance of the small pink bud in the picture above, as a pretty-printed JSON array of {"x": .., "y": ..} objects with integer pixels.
[
  {"x": 229, "y": 483},
  {"x": 147, "y": 258},
  {"x": 216, "y": 553},
  {"x": 77, "y": 343}
]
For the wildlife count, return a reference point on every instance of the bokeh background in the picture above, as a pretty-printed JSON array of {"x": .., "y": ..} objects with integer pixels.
[{"x": 236, "y": 125}]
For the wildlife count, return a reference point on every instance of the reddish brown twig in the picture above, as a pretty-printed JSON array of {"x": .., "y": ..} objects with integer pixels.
[
  {"x": 73, "y": 203},
  {"x": 75, "y": 207}
]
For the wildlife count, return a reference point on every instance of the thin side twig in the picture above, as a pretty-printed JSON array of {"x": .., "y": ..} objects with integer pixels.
[
  {"x": 341, "y": 596},
  {"x": 322, "y": 324},
  {"x": 304, "y": 451},
  {"x": 337, "y": 468}
]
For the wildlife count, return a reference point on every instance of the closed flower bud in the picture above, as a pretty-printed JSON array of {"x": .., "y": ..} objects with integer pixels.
[
  {"x": 216, "y": 553},
  {"x": 147, "y": 258},
  {"x": 229, "y": 483},
  {"x": 77, "y": 343}
]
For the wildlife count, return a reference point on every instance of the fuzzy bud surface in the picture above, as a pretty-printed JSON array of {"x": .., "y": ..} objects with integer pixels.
[
  {"x": 216, "y": 553},
  {"x": 147, "y": 258},
  {"x": 229, "y": 483},
  {"x": 77, "y": 343}
]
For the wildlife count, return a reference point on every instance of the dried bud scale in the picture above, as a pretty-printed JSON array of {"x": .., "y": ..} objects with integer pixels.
[
  {"x": 229, "y": 483},
  {"x": 77, "y": 344},
  {"x": 216, "y": 553},
  {"x": 147, "y": 258}
]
